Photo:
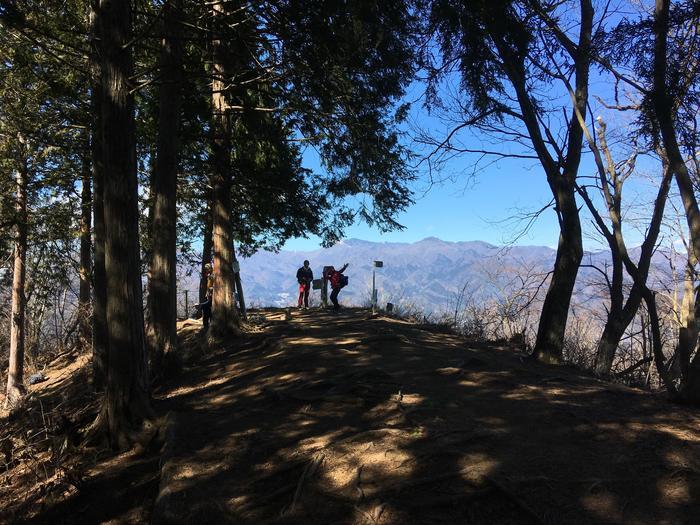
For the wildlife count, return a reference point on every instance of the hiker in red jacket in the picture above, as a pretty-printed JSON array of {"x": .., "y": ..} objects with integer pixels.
[
  {"x": 304, "y": 277},
  {"x": 338, "y": 281}
]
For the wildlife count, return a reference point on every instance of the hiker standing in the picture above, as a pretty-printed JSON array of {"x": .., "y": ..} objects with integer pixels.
[
  {"x": 304, "y": 276},
  {"x": 206, "y": 305},
  {"x": 338, "y": 281}
]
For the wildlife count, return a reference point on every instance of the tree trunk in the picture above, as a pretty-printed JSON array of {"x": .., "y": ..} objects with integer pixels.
[
  {"x": 15, "y": 374},
  {"x": 206, "y": 252},
  {"x": 620, "y": 317},
  {"x": 100, "y": 354},
  {"x": 224, "y": 319},
  {"x": 609, "y": 341},
  {"x": 85, "y": 249},
  {"x": 549, "y": 343},
  {"x": 555, "y": 309},
  {"x": 162, "y": 283},
  {"x": 663, "y": 108},
  {"x": 562, "y": 181},
  {"x": 126, "y": 405},
  {"x": 688, "y": 331},
  {"x": 657, "y": 344}
]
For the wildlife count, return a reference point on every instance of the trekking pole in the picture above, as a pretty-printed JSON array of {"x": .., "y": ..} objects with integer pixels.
[{"x": 187, "y": 304}]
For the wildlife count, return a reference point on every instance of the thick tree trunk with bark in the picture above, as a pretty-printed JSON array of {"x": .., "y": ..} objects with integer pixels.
[
  {"x": 99, "y": 304},
  {"x": 85, "y": 249},
  {"x": 614, "y": 329},
  {"x": 126, "y": 405},
  {"x": 15, "y": 374},
  {"x": 162, "y": 282},
  {"x": 224, "y": 320}
]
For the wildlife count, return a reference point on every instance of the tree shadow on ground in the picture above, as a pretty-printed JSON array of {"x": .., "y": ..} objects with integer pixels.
[{"x": 347, "y": 419}]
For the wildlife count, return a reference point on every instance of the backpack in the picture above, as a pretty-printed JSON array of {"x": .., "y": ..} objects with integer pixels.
[{"x": 338, "y": 280}]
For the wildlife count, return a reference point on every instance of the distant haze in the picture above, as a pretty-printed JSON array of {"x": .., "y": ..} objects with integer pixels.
[{"x": 427, "y": 273}]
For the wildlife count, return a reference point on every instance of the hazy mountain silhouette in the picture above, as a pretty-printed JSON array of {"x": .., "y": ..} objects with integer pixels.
[{"x": 427, "y": 273}]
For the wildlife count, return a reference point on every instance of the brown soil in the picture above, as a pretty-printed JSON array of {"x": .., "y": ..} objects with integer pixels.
[
  {"x": 47, "y": 477},
  {"x": 345, "y": 418}
]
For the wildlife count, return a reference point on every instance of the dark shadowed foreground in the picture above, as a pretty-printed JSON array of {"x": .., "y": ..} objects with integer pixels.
[{"x": 347, "y": 419}]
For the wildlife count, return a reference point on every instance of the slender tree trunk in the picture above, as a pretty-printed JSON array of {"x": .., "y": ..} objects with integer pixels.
[
  {"x": 15, "y": 374},
  {"x": 207, "y": 245},
  {"x": 224, "y": 320},
  {"x": 656, "y": 342},
  {"x": 562, "y": 181},
  {"x": 127, "y": 402},
  {"x": 85, "y": 249},
  {"x": 555, "y": 309},
  {"x": 100, "y": 341},
  {"x": 663, "y": 108},
  {"x": 621, "y": 316},
  {"x": 162, "y": 283}
]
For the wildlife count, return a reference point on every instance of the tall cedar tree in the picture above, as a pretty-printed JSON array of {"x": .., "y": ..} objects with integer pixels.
[
  {"x": 126, "y": 407},
  {"x": 15, "y": 374},
  {"x": 100, "y": 338},
  {"x": 328, "y": 72},
  {"x": 225, "y": 318},
  {"x": 162, "y": 284}
]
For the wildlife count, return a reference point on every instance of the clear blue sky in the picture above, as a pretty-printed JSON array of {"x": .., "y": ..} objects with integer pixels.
[
  {"x": 463, "y": 207},
  {"x": 468, "y": 210},
  {"x": 485, "y": 207}
]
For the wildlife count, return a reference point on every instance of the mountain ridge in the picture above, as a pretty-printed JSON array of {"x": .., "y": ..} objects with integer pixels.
[{"x": 427, "y": 274}]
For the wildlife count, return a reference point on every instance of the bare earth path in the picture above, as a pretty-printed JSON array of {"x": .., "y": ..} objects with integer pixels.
[{"x": 347, "y": 419}]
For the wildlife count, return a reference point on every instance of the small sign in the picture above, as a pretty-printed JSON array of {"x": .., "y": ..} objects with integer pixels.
[
  {"x": 317, "y": 284},
  {"x": 378, "y": 264},
  {"x": 236, "y": 267}
]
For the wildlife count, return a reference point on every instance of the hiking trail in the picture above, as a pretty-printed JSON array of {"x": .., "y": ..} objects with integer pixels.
[
  {"x": 320, "y": 418},
  {"x": 352, "y": 419}
]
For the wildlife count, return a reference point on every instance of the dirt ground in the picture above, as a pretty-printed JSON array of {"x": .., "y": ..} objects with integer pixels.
[
  {"x": 47, "y": 477},
  {"x": 321, "y": 418},
  {"x": 347, "y": 419}
]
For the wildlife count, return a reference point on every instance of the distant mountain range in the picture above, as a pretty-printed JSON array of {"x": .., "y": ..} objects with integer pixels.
[{"x": 427, "y": 273}]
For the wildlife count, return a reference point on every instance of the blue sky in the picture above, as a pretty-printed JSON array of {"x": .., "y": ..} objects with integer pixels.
[
  {"x": 462, "y": 209},
  {"x": 486, "y": 207}
]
